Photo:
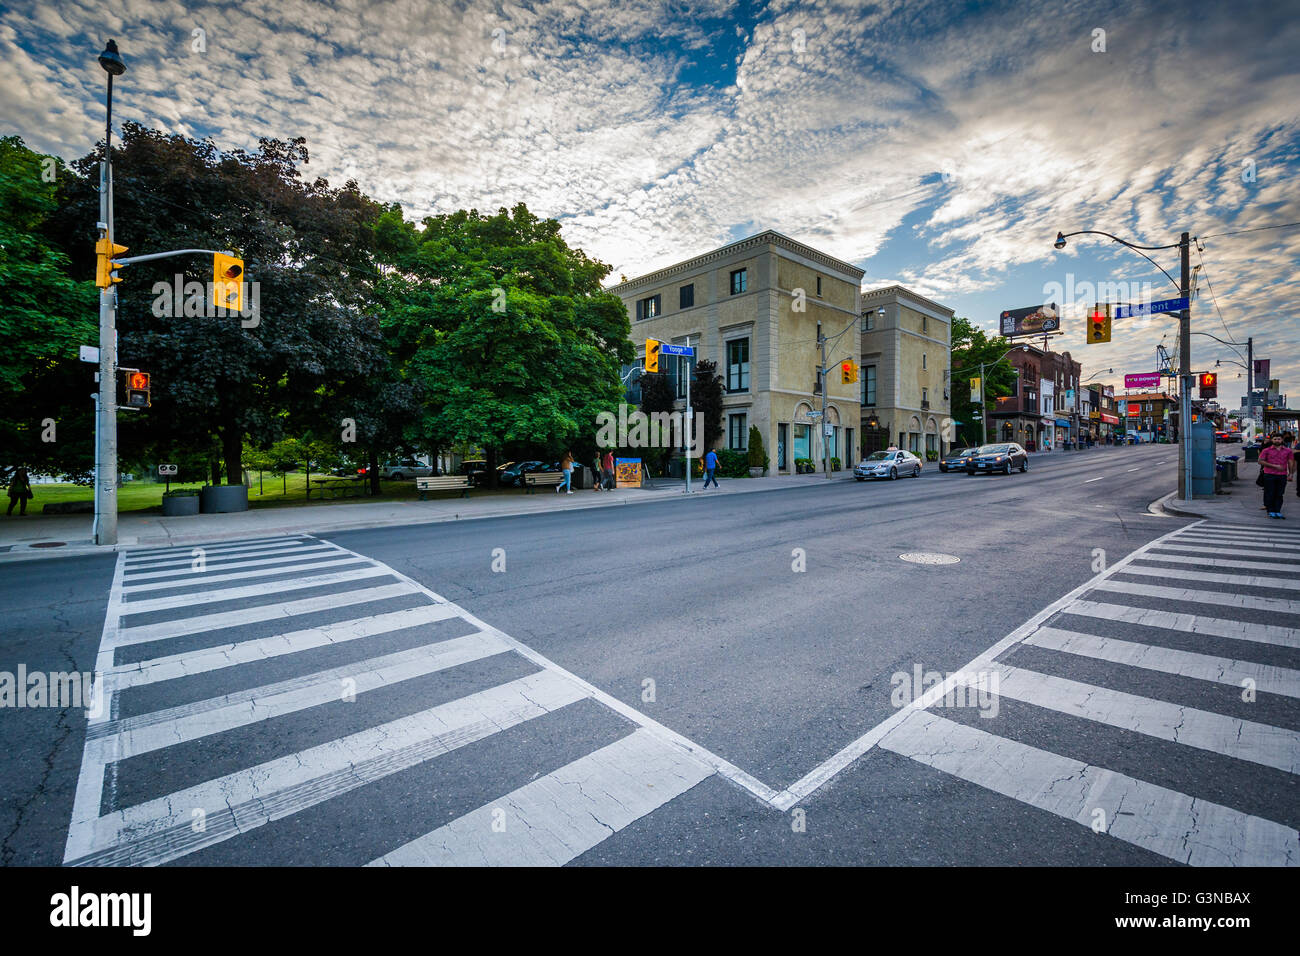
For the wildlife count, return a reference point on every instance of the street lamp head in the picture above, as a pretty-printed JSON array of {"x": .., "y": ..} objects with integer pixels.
[
  {"x": 1060, "y": 241},
  {"x": 111, "y": 60}
]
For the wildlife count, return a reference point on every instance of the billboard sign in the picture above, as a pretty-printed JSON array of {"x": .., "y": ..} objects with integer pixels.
[
  {"x": 1142, "y": 380},
  {"x": 1134, "y": 410},
  {"x": 1034, "y": 320},
  {"x": 1261, "y": 368}
]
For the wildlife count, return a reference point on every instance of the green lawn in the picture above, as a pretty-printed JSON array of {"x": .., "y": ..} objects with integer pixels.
[{"x": 270, "y": 492}]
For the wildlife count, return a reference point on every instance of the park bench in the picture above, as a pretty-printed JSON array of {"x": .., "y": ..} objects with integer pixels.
[
  {"x": 459, "y": 483},
  {"x": 541, "y": 479}
]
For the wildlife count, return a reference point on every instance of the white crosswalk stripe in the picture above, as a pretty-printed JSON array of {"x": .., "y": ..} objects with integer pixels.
[
  {"x": 1134, "y": 640},
  {"x": 566, "y": 810}
]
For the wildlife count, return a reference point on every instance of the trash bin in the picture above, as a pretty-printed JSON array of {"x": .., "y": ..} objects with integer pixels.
[{"x": 1252, "y": 453}]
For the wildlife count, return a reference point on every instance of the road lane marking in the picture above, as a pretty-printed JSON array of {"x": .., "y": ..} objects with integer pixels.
[
  {"x": 1131, "y": 469},
  {"x": 1091, "y": 480},
  {"x": 1221, "y": 598},
  {"x": 205, "y": 577},
  {"x": 177, "y": 549},
  {"x": 178, "y": 725},
  {"x": 1238, "y": 552},
  {"x": 562, "y": 815},
  {"x": 1216, "y": 577},
  {"x": 207, "y": 659},
  {"x": 828, "y": 769},
  {"x": 188, "y": 558},
  {"x": 1221, "y": 670},
  {"x": 193, "y": 598},
  {"x": 233, "y": 565},
  {"x": 1189, "y": 623},
  {"x": 160, "y": 830},
  {"x": 1247, "y": 740},
  {"x": 179, "y": 627},
  {"x": 1155, "y": 818},
  {"x": 1220, "y": 562}
]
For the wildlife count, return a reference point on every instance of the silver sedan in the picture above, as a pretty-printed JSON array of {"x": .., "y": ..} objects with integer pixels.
[{"x": 888, "y": 464}]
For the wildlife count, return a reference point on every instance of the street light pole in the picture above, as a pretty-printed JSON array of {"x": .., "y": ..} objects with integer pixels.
[{"x": 106, "y": 431}]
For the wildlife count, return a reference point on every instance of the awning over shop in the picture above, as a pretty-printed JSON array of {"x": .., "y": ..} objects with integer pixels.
[{"x": 1063, "y": 423}]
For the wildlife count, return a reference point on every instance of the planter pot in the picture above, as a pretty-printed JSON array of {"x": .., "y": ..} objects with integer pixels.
[
  {"x": 756, "y": 472},
  {"x": 221, "y": 499},
  {"x": 177, "y": 505}
]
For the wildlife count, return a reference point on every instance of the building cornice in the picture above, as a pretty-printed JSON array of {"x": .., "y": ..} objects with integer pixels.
[
  {"x": 753, "y": 243},
  {"x": 899, "y": 292}
]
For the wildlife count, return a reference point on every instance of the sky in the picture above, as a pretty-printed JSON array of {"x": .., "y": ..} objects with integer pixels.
[{"x": 937, "y": 145}]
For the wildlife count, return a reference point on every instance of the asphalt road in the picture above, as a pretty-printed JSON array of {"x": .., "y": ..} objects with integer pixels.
[{"x": 768, "y": 630}]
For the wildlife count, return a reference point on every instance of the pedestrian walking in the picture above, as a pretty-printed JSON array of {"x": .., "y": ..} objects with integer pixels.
[
  {"x": 710, "y": 469},
  {"x": 607, "y": 470},
  {"x": 597, "y": 479},
  {"x": 1277, "y": 466},
  {"x": 566, "y": 465},
  {"x": 20, "y": 489}
]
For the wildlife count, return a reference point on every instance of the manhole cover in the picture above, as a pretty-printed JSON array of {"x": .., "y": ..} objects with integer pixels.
[
  {"x": 926, "y": 557},
  {"x": 49, "y": 544}
]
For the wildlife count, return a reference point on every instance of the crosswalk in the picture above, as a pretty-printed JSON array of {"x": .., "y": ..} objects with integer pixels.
[
  {"x": 1211, "y": 605},
  {"x": 256, "y": 643}
]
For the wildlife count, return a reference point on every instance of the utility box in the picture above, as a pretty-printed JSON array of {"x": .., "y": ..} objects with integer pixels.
[{"x": 1202, "y": 460}]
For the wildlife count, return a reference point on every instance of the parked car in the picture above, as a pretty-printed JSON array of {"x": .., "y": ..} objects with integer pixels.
[
  {"x": 956, "y": 460},
  {"x": 887, "y": 464},
  {"x": 1000, "y": 457},
  {"x": 405, "y": 468},
  {"x": 476, "y": 469},
  {"x": 513, "y": 473}
]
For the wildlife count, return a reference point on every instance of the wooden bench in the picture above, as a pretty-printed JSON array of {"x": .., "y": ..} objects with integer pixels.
[
  {"x": 459, "y": 483},
  {"x": 541, "y": 479}
]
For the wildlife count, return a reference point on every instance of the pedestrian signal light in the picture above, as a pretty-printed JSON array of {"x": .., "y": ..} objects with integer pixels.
[
  {"x": 1209, "y": 384},
  {"x": 1099, "y": 325},
  {"x": 848, "y": 372},
  {"x": 105, "y": 252},
  {"x": 227, "y": 282},
  {"x": 137, "y": 390},
  {"x": 652, "y": 355}
]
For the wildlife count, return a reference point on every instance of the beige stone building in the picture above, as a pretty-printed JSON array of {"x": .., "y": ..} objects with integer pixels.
[
  {"x": 755, "y": 307},
  {"x": 906, "y": 368}
]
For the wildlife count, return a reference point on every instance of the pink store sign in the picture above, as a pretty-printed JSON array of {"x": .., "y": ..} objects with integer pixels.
[{"x": 1142, "y": 380}]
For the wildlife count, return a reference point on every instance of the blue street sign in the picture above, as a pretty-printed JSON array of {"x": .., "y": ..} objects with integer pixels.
[
  {"x": 1151, "y": 308},
  {"x": 667, "y": 349}
]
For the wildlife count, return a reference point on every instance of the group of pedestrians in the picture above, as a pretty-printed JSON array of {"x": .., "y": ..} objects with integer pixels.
[{"x": 1277, "y": 466}]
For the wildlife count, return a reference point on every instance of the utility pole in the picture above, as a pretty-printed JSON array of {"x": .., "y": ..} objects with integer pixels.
[
  {"x": 690, "y": 418},
  {"x": 821, "y": 377},
  {"x": 1185, "y": 371},
  {"x": 1250, "y": 378},
  {"x": 106, "y": 421}
]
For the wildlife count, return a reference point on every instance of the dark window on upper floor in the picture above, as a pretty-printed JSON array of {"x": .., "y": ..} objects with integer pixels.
[
  {"x": 819, "y": 286},
  {"x": 649, "y": 307},
  {"x": 686, "y": 296},
  {"x": 739, "y": 281}
]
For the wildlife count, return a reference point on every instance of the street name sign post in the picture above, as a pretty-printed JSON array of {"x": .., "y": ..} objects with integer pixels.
[{"x": 1150, "y": 308}]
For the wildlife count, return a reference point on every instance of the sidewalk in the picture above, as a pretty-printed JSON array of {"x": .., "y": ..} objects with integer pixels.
[
  {"x": 1241, "y": 505},
  {"x": 52, "y": 535}
]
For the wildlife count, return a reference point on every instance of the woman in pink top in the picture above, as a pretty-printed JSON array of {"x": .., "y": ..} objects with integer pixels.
[{"x": 1277, "y": 466}]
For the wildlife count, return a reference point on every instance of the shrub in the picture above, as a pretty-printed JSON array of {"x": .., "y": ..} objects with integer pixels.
[
  {"x": 757, "y": 454},
  {"x": 931, "y": 456},
  {"x": 733, "y": 464},
  {"x": 835, "y": 463}
]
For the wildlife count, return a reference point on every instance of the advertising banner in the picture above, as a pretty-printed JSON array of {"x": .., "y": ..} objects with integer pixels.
[
  {"x": 1261, "y": 368},
  {"x": 1109, "y": 419},
  {"x": 1134, "y": 410},
  {"x": 1034, "y": 320},
  {"x": 1142, "y": 380}
]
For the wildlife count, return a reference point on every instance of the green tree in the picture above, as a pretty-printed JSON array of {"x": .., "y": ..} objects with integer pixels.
[
  {"x": 706, "y": 398},
  {"x": 971, "y": 345},
  {"x": 306, "y": 245},
  {"x": 659, "y": 394},
  {"x": 507, "y": 328},
  {"x": 46, "y": 414}
]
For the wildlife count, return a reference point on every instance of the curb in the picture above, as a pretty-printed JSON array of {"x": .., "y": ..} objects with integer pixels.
[{"x": 1161, "y": 507}]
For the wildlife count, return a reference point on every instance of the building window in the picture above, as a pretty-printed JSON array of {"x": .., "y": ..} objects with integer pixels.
[
  {"x": 930, "y": 442},
  {"x": 649, "y": 307},
  {"x": 686, "y": 296},
  {"x": 738, "y": 281},
  {"x": 782, "y": 439},
  {"x": 925, "y": 398},
  {"x": 738, "y": 365},
  {"x": 925, "y": 323},
  {"x": 923, "y": 361},
  {"x": 684, "y": 366},
  {"x": 869, "y": 385},
  {"x": 819, "y": 287},
  {"x": 737, "y": 433},
  {"x": 868, "y": 320}
]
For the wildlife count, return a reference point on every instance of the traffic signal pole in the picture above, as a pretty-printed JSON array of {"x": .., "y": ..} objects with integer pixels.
[
  {"x": 105, "y": 528},
  {"x": 1185, "y": 372}
]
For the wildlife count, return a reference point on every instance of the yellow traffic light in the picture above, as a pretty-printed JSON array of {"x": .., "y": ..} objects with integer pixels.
[
  {"x": 652, "y": 355},
  {"x": 1099, "y": 325},
  {"x": 105, "y": 252},
  {"x": 227, "y": 282},
  {"x": 848, "y": 372}
]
